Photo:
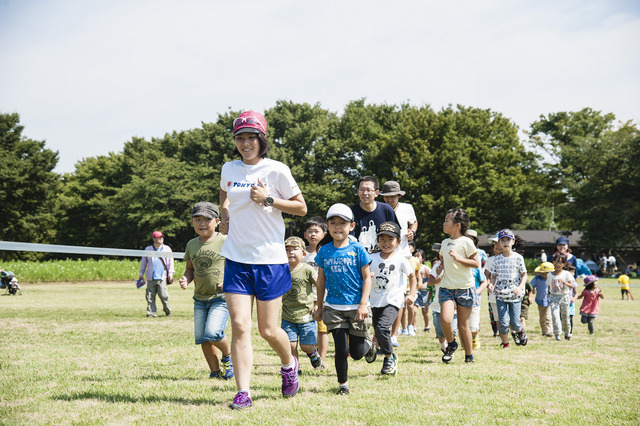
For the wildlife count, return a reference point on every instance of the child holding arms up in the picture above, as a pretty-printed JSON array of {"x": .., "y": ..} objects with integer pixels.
[
  {"x": 205, "y": 267},
  {"x": 388, "y": 290},
  {"x": 508, "y": 278},
  {"x": 343, "y": 269},
  {"x": 561, "y": 284},
  {"x": 457, "y": 288},
  {"x": 315, "y": 232},
  {"x": 591, "y": 304},
  {"x": 298, "y": 304}
]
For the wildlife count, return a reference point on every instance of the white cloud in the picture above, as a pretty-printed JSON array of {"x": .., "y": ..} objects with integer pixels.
[{"x": 88, "y": 76}]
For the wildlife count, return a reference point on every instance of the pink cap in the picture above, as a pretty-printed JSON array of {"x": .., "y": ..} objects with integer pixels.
[
  {"x": 157, "y": 234},
  {"x": 250, "y": 122}
]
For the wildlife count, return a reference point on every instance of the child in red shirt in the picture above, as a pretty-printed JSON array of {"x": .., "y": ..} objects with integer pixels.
[{"x": 591, "y": 304}]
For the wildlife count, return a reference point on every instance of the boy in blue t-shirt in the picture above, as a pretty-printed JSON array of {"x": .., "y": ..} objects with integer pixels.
[{"x": 343, "y": 269}]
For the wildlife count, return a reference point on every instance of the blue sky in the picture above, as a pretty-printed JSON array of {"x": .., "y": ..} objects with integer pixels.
[{"x": 87, "y": 76}]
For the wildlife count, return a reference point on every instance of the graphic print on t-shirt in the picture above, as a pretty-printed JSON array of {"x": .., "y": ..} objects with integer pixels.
[{"x": 382, "y": 278}]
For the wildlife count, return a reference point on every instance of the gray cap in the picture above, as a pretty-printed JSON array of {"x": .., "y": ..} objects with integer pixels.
[
  {"x": 391, "y": 188},
  {"x": 206, "y": 209}
]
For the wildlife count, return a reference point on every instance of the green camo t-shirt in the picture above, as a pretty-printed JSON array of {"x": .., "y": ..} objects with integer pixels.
[
  {"x": 208, "y": 266},
  {"x": 298, "y": 302}
]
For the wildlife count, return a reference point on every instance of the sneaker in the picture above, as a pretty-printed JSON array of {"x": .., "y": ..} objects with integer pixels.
[
  {"x": 567, "y": 337},
  {"x": 411, "y": 331},
  {"x": 241, "y": 401},
  {"x": 504, "y": 345},
  {"x": 495, "y": 334},
  {"x": 469, "y": 358},
  {"x": 476, "y": 344},
  {"x": 227, "y": 366},
  {"x": 523, "y": 337},
  {"x": 290, "y": 382},
  {"x": 516, "y": 338},
  {"x": 390, "y": 365},
  {"x": 372, "y": 354},
  {"x": 557, "y": 337},
  {"x": 394, "y": 341},
  {"x": 316, "y": 361},
  {"x": 448, "y": 353},
  {"x": 426, "y": 329},
  {"x": 215, "y": 375},
  {"x": 404, "y": 332},
  {"x": 344, "y": 390}
]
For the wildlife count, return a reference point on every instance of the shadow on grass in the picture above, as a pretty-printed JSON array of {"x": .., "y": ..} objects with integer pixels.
[
  {"x": 116, "y": 398},
  {"x": 119, "y": 397}
]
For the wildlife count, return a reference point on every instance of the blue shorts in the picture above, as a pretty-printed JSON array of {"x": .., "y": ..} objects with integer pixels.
[
  {"x": 462, "y": 296},
  {"x": 438, "y": 327},
  {"x": 306, "y": 333},
  {"x": 423, "y": 298},
  {"x": 209, "y": 319},
  {"x": 265, "y": 282}
]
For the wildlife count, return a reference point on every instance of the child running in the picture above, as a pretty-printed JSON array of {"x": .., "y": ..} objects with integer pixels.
[
  {"x": 343, "y": 269},
  {"x": 508, "y": 278},
  {"x": 315, "y": 231},
  {"x": 539, "y": 286},
  {"x": 388, "y": 290},
  {"x": 298, "y": 304},
  {"x": 205, "y": 266},
  {"x": 457, "y": 289},
  {"x": 561, "y": 284},
  {"x": 590, "y": 307}
]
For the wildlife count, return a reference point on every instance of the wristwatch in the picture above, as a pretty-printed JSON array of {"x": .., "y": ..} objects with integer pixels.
[{"x": 268, "y": 201}]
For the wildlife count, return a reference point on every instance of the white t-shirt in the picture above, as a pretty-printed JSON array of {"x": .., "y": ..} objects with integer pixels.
[
  {"x": 388, "y": 286},
  {"x": 435, "y": 305},
  {"x": 406, "y": 216},
  {"x": 555, "y": 285},
  {"x": 256, "y": 233},
  {"x": 487, "y": 267},
  {"x": 508, "y": 272}
]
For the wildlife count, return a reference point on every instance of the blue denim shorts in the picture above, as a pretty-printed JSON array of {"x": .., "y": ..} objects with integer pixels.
[
  {"x": 306, "y": 333},
  {"x": 422, "y": 299},
  {"x": 462, "y": 296},
  {"x": 265, "y": 282},
  {"x": 209, "y": 320},
  {"x": 438, "y": 327}
]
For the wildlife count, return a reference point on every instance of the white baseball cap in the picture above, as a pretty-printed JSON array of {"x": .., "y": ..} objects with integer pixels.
[{"x": 340, "y": 210}]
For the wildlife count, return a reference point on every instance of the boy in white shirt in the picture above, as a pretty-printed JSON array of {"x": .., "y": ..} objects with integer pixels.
[{"x": 388, "y": 290}]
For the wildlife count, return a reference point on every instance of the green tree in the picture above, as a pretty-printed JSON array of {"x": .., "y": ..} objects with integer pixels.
[
  {"x": 596, "y": 167},
  {"x": 28, "y": 187}
]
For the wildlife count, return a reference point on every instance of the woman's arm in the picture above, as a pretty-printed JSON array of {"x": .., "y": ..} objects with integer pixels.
[
  {"x": 294, "y": 205},
  {"x": 224, "y": 213}
]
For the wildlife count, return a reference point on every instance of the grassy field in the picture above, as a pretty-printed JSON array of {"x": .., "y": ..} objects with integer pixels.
[{"x": 85, "y": 353}]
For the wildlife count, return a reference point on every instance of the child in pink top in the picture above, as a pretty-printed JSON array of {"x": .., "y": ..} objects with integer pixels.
[{"x": 591, "y": 304}]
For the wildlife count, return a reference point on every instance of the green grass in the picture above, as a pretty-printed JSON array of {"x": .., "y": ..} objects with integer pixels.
[
  {"x": 71, "y": 270},
  {"x": 86, "y": 354}
]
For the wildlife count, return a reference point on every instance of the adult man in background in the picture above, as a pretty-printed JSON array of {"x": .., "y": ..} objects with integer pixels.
[{"x": 159, "y": 270}]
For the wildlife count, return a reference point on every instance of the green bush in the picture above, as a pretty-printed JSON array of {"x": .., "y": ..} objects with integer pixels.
[{"x": 69, "y": 270}]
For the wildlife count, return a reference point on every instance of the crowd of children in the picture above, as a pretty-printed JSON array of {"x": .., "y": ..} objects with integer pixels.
[
  {"x": 359, "y": 270},
  {"x": 338, "y": 287}
]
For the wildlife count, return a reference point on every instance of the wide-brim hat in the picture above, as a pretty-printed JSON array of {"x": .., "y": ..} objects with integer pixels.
[
  {"x": 391, "y": 188},
  {"x": 545, "y": 267},
  {"x": 590, "y": 279}
]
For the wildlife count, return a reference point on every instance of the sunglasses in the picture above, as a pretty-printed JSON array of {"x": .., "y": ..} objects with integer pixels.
[{"x": 246, "y": 120}]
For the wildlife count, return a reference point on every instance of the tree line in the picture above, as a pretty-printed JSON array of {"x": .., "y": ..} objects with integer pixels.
[{"x": 583, "y": 163}]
